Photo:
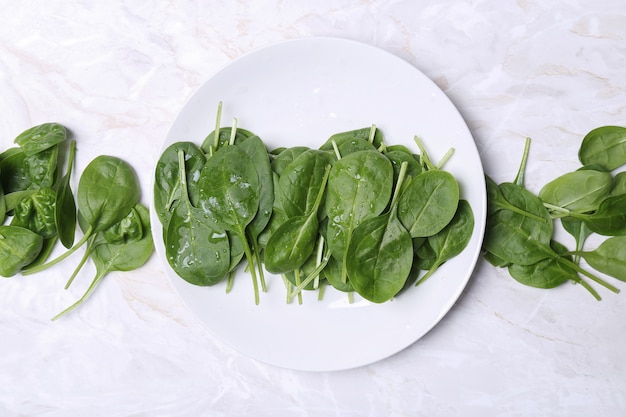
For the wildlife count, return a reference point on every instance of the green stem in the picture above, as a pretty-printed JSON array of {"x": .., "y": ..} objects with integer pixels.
[
  {"x": 445, "y": 158},
  {"x": 257, "y": 256},
  {"x": 425, "y": 158},
  {"x": 216, "y": 137},
  {"x": 65, "y": 255},
  {"x": 80, "y": 264},
  {"x": 233, "y": 132},
  {"x": 250, "y": 259},
  {"x": 93, "y": 285},
  {"x": 519, "y": 178},
  {"x": 336, "y": 149},
  {"x": 585, "y": 272},
  {"x": 372, "y": 133},
  {"x": 298, "y": 282}
]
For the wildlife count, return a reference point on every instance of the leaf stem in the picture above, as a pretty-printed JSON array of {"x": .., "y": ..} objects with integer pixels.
[
  {"x": 216, "y": 132},
  {"x": 519, "y": 178},
  {"x": 63, "y": 256},
  {"x": 425, "y": 158},
  {"x": 585, "y": 272}
]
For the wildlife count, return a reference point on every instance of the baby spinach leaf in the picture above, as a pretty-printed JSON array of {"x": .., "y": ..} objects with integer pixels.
[
  {"x": 578, "y": 229},
  {"x": 609, "y": 258},
  {"x": 580, "y": 191},
  {"x": 610, "y": 218},
  {"x": 293, "y": 243},
  {"x": 454, "y": 237},
  {"x": 166, "y": 182},
  {"x": 398, "y": 157},
  {"x": 128, "y": 229},
  {"x": 14, "y": 173},
  {"x": 429, "y": 203},
  {"x": 37, "y": 213},
  {"x": 604, "y": 146},
  {"x": 380, "y": 253},
  {"x": 619, "y": 184},
  {"x": 547, "y": 273},
  {"x": 286, "y": 157},
  {"x": 196, "y": 248},
  {"x": 359, "y": 186},
  {"x": 515, "y": 238},
  {"x": 42, "y": 167},
  {"x": 228, "y": 188},
  {"x": 370, "y": 134},
  {"x": 123, "y": 256},
  {"x": 65, "y": 205},
  {"x": 40, "y": 138},
  {"x": 107, "y": 191},
  {"x": 496, "y": 201},
  {"x": 18, "y": 247},
  {"x": 299, "y": 185}
]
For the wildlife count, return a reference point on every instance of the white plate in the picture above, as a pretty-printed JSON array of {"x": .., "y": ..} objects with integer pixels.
[{"x": 299, "y": 92}]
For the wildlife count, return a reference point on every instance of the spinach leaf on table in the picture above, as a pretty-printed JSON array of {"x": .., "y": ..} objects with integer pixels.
[
  {"x": 18, "y": 247},
  {"x": 609, "y": 258},
  {"x": 37, "y": 213},
  {"x": 579, "y": 191},
  {"x": 40, "y": 138},
  {"x": 107, "y": 191},
  {"x": 604, "y": 146},
  {"x": 65, "y": 205},
  {"x": 125, "y": 255}
]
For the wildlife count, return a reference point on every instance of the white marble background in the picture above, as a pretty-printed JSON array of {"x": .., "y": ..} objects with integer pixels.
[{"x": 116, "y": 73}]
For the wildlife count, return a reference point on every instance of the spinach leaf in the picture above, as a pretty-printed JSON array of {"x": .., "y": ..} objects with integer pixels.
[
  {"x": 65, "y": 213},
  {"x": 37, "y": 213},
  {"x": 293, "y": 242},
  {"x": 15, "y": 176},
  {"x": 604, "y": 146},
  {"x": 610, "y": 218},
  {"x": 18, "y": 247},
  {"x": 515, "y": 238},
  {"x": 286, "y": 157},
  {"x": 123, "y": 256},
  {"x": 619, "y": 184},
  {"x": 300, "y": 182},
  {"x": 547, "y": 273},
  {"x": 580, "y": 191},
  {"x": 609, "y": 258},
  {"x": 228, "y": 188},
  {"x": 167, "y": 182},
  {"x": 196, "y": 248},
  {"x": 40, "y": 138},
  {"x": 380, "y": 254},
  {"x": 397, "y": 157},
  {"x": 429, "y": 203},
  {"x": 454, "y": 237},
  {"x": 359, "y": 187},
  {"x": 42, "y": 167}
]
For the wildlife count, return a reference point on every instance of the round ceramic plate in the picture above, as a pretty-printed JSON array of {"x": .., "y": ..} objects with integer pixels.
[{"x": 300, "y": 92}]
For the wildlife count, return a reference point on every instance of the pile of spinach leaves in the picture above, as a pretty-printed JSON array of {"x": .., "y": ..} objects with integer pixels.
[
  {"x": 589, "y": 201},
  {"x": 356, "y": 214},
  {"x": 38, "y": 209}
]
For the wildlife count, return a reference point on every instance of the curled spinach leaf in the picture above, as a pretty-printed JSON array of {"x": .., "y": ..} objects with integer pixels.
[
  {"x": 122, "y": 256},
  {"x": 18, "y": 247},
  {"x": 37, "y": 213},
  {"x": 604, "y": 146},
  {"x": 40, "y": 138}
]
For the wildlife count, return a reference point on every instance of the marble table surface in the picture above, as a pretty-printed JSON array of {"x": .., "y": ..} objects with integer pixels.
[{"x": 117, "y": 74}]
